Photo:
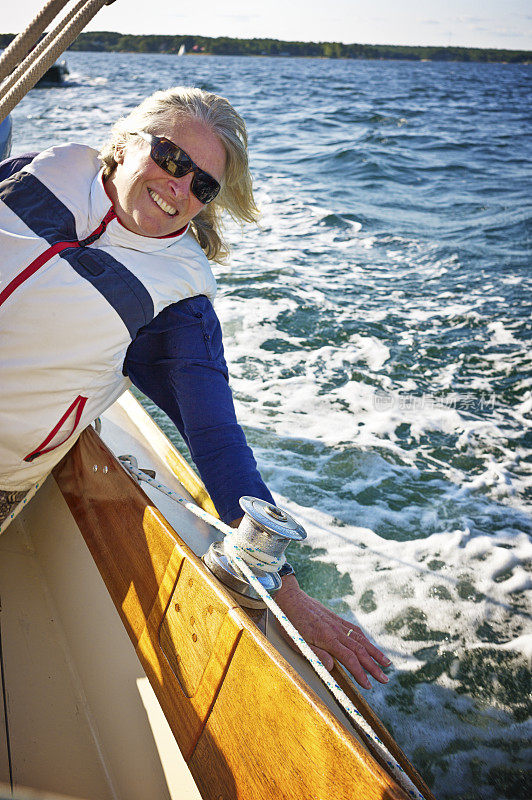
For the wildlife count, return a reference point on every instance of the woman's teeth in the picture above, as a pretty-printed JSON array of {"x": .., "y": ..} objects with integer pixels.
[{"x": 162, "y": 204}]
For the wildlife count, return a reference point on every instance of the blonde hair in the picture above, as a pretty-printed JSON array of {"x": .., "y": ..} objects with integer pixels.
[{"x": 236, "y": 193}]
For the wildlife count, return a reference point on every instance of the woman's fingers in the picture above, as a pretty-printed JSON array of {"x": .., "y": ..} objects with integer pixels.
[
  {"x": 350, "y": 660},
  {"x": 357, "y": 663},
  {"x": 326, "y": 658},
  {"x": 358, "y": 636},
  {"x": 355, "y": 652},
  {"x": 370, "y": 665},
  {"x": 377, "y": 654},
  {"x": 351, "y": 653},
  {"x": 331, "y": 637}
]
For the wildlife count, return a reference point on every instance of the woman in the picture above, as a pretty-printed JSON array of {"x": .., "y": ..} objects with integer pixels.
[{"x": 106, "y": 280}]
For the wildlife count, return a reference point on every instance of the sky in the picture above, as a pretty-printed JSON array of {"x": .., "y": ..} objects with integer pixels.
[{"x": 463, "y": 23}]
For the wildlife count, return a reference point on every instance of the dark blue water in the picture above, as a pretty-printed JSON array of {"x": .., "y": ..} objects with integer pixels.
[{"x": 377, "y": 326}]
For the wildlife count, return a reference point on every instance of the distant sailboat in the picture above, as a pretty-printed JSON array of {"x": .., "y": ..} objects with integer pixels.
[{"x": 181, "y": 51}]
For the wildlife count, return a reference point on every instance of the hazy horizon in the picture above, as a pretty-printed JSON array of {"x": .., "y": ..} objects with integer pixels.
[{"x": 440, "y": 23}]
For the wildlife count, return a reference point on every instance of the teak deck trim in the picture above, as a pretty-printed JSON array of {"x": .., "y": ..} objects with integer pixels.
[{"x": 245, "y": 721}]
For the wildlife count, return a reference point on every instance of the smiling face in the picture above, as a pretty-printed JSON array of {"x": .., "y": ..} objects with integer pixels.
[{"x": 148, "y": 200}]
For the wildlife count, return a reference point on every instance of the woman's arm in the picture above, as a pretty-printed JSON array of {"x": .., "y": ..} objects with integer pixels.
[{"x": 177, "y": 361}]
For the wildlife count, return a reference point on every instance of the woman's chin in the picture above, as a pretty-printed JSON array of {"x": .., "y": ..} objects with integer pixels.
[{"x": 154, "y": 228}]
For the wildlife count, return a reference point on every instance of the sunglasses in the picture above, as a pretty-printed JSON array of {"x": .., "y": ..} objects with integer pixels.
[{"x": 176, "y": 162}]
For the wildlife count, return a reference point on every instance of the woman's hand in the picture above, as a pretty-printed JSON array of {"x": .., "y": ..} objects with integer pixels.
[{"x": 326, "y": 633}]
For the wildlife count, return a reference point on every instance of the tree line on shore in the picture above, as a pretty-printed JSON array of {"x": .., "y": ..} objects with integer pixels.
[{"x": 110, "y": 41}]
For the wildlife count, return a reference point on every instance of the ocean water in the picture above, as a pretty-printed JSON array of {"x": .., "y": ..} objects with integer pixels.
[{"x": 377, "y": 327}]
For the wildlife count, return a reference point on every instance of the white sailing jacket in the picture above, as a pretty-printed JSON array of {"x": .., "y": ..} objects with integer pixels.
[{"x": 75, "y": 288}]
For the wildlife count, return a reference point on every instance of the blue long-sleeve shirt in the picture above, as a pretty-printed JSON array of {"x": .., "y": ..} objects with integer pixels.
[{"x": 177, "y": 360}]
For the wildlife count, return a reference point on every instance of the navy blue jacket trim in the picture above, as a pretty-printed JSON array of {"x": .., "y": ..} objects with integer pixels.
[
  {"x": 50, "y": 219},
  {"x": 14, "y": 164},
  {"x": 122, "y": 290}
]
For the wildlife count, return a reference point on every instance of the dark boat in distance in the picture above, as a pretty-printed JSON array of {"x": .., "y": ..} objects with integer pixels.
[{"x": 54, "y": 76}]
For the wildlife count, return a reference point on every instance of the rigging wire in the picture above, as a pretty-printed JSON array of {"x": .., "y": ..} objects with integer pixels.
[{"x": 34, "y": 54}]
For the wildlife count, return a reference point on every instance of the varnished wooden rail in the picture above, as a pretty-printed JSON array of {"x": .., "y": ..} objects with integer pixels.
[{"x": 247, "y": 724}]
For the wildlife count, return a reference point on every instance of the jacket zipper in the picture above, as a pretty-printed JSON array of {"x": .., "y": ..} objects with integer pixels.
[
  {"x": 56, "y": 248},
  {"x": 79, "y": 403}
]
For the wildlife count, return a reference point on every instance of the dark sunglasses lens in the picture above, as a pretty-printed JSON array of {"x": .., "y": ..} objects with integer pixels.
[
  {"x": 177, "y": 163},
  {"x": 204, "y": 187},
  {"x": 171, "y": 158}
]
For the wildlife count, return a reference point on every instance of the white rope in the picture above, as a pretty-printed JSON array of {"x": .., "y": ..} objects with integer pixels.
[
  {"x": 255, "y": 556},
  {"x": 34, "y": 56},
  {"x": 343, "y": 700},
  {"x": 63, "y": 39},
  {"x": 236, "y": 557},
  {"x": 25, "y": 40},
  {"x": 248, "y": 555}
]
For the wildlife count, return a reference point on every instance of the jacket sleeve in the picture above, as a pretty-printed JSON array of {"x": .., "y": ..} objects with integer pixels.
[{"x": 178, "y": 362}]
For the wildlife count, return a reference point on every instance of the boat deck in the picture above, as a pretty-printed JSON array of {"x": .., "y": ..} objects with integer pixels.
[{"x": 79, "y": 714}]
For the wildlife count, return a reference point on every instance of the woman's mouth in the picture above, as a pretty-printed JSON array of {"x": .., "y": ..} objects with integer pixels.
[{"x": 163, "y": 205}]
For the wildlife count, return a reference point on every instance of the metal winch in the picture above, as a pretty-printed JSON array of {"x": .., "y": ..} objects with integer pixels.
[{"x": 262, "y": 537}]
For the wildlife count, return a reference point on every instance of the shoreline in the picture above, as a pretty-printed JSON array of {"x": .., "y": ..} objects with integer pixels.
[
  {"x": 161, "y": 44},
  {"x": 403, "y": 60}
]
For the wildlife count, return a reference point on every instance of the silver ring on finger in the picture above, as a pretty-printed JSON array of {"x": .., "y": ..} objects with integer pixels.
[{"x": 350, "y": 631}]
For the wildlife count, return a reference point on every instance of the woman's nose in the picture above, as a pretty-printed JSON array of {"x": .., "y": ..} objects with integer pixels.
[{"x": 180, "y": 187}]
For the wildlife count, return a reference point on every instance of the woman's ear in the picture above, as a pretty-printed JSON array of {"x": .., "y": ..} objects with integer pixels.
[{"x": 119, "y": 152}]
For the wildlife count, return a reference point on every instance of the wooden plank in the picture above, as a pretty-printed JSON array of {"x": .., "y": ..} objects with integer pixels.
[
  {"x": 190, "y": 628},
  {"x": 163, "y": 661},
  {"x": 131, "y": 547},
  {"x": 282, "y": 743},
  {"x": 247, "y": 724},
  {"x": 134, "y": 549}
]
